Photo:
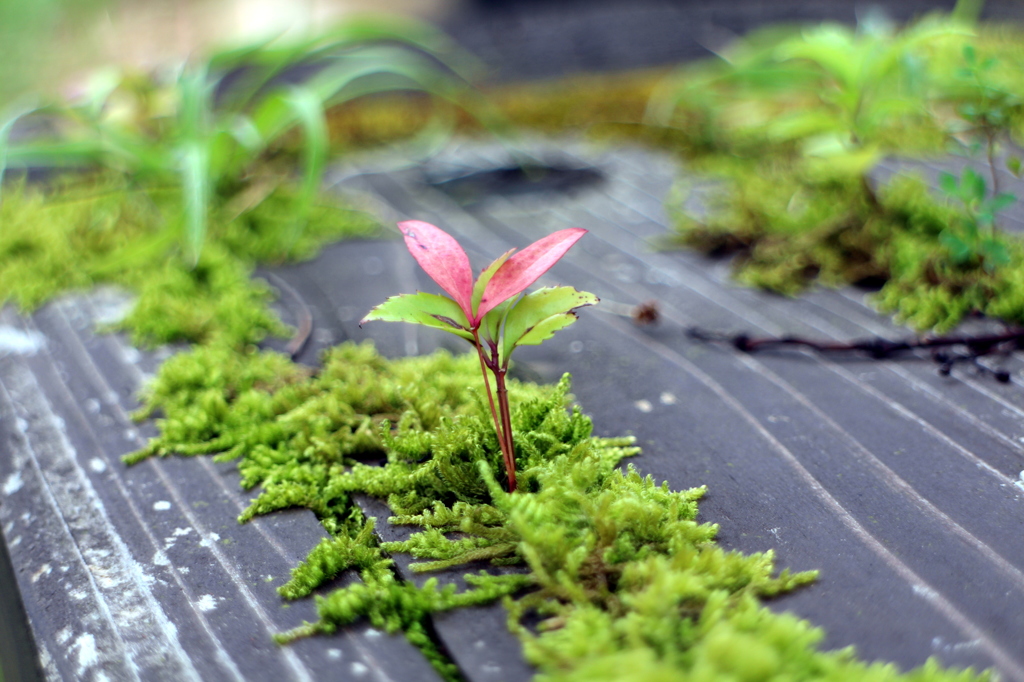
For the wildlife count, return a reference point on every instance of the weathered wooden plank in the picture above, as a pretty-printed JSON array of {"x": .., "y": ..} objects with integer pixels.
[{"x": 940, "y": 518}]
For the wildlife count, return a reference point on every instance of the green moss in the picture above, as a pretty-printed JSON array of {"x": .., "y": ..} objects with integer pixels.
[
  {"x": 89, "y": 230},
  {"x": 789, "y": 233},
  {"x": 622, "y": 580}
]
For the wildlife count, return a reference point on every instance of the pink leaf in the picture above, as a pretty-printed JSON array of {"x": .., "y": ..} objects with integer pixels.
[
  {"x": 525, "y": 267},
  {"x": 442, "y": 258}
]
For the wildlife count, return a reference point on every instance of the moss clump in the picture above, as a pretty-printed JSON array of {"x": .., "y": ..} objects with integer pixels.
[
  {"x": 96, "y": 229},
  {"x": 788, "y": 233},
  {"x": 795, "y": 140},
  {"x": 623, "y": 580}
]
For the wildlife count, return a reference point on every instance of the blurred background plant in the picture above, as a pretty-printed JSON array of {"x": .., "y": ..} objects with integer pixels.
[
  {"x": 192, "y": 169},
  {"x": 794, "y": 123}
]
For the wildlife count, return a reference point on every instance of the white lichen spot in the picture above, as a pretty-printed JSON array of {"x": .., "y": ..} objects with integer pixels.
[
  {"x": 334, "y": 654},
  {"x": 91, "y": 405},
  {"x": 87, "y": 653},
  {"x": 209, "y": 540},
  {"x": 939, "y": 645},
  {"x": 358, "y": 669},
  {"x": 668, "y": 398},
  {"x": 160, "y": 559},
  {"x": 372, "y": 633},
  {"x": 131, "y": 434},
  {"x": 643, "y": 405},
  {"x": 479, "y": 644},
  {"x": 490, "y": 669},
  {"x": 63, "y": 635},
  {"x": 13, "y": 340},
  {"x": 78, "y": 595},
  {"x": 183, "y": 570},
  {"x": 21, "y": 425},
  {"x": 776, "y": 418},
  {"x": 181, "y": 532},
  {"x": 15, "y": 542},
  {"x": 13, "y": 483},
  {"x": 97, "y": 465},
  {"x": 924, "y": 591},
  {"x": 162, "y": 505},
  {"x": 207, "y": 602},
  {"x": 44, "y": 570},
  {"x": 131, "y": 354}
]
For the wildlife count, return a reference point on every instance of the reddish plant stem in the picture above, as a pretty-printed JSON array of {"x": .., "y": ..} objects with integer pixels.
[
  {"x": 506, "y": 423},
  {"x": 502, "y": 442}
]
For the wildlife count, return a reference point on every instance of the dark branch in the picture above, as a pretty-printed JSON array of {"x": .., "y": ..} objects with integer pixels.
[{"x": 946, "y": 351}]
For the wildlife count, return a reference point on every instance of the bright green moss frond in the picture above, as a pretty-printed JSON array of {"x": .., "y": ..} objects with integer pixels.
[{"x": 624, "y": 581}]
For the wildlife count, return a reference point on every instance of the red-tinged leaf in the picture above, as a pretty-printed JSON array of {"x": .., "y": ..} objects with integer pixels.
[
  {"x": 442, "y": 258},
  {"x": 525, "y": 267},
  {"x": 485, "y": 277}
]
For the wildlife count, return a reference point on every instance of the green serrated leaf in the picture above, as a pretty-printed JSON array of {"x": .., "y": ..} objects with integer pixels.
[
  {"x": 545, "y": 329},
  {"x": 535, "y": 308},
  {"x": 430, "y": 310}
]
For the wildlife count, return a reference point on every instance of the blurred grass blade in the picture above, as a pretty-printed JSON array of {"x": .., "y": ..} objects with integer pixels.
[
  {"x": 195, "y": 176},
  {"x": 195, "y": 157},
  {"x": 309, "y": 111},
  {"x": 6, "y": 126}
]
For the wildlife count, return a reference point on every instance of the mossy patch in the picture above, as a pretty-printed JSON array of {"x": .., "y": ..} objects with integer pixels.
[
  {"x": 788, "y": 234},
  {"x": 618, "y": 576},
  {"x": 87, "y": 230}
]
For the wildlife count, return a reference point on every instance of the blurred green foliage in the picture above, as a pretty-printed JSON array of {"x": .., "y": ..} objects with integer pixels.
[
  {"x": 211, "y": 126},
  {"x": 794, "y": 121}
]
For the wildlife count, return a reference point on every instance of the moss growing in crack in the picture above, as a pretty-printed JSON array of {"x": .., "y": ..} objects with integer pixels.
[
  {"x": 621, "y": 579},
  {"x": 90, "y": 230},
  {"x": 788, "y": 234}
]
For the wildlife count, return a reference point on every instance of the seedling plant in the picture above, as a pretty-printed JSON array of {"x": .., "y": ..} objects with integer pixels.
[{"x": 491, "y": 313}]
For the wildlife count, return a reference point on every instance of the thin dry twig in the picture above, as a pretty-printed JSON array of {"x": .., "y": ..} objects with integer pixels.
[{"x": 946, "y": 351}]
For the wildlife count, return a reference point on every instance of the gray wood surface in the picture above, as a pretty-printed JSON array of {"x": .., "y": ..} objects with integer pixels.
[{"x": 901, "y": 486}]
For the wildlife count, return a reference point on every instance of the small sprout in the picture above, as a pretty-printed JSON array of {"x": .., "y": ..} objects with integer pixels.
[{"x": 488, "y": 312}]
